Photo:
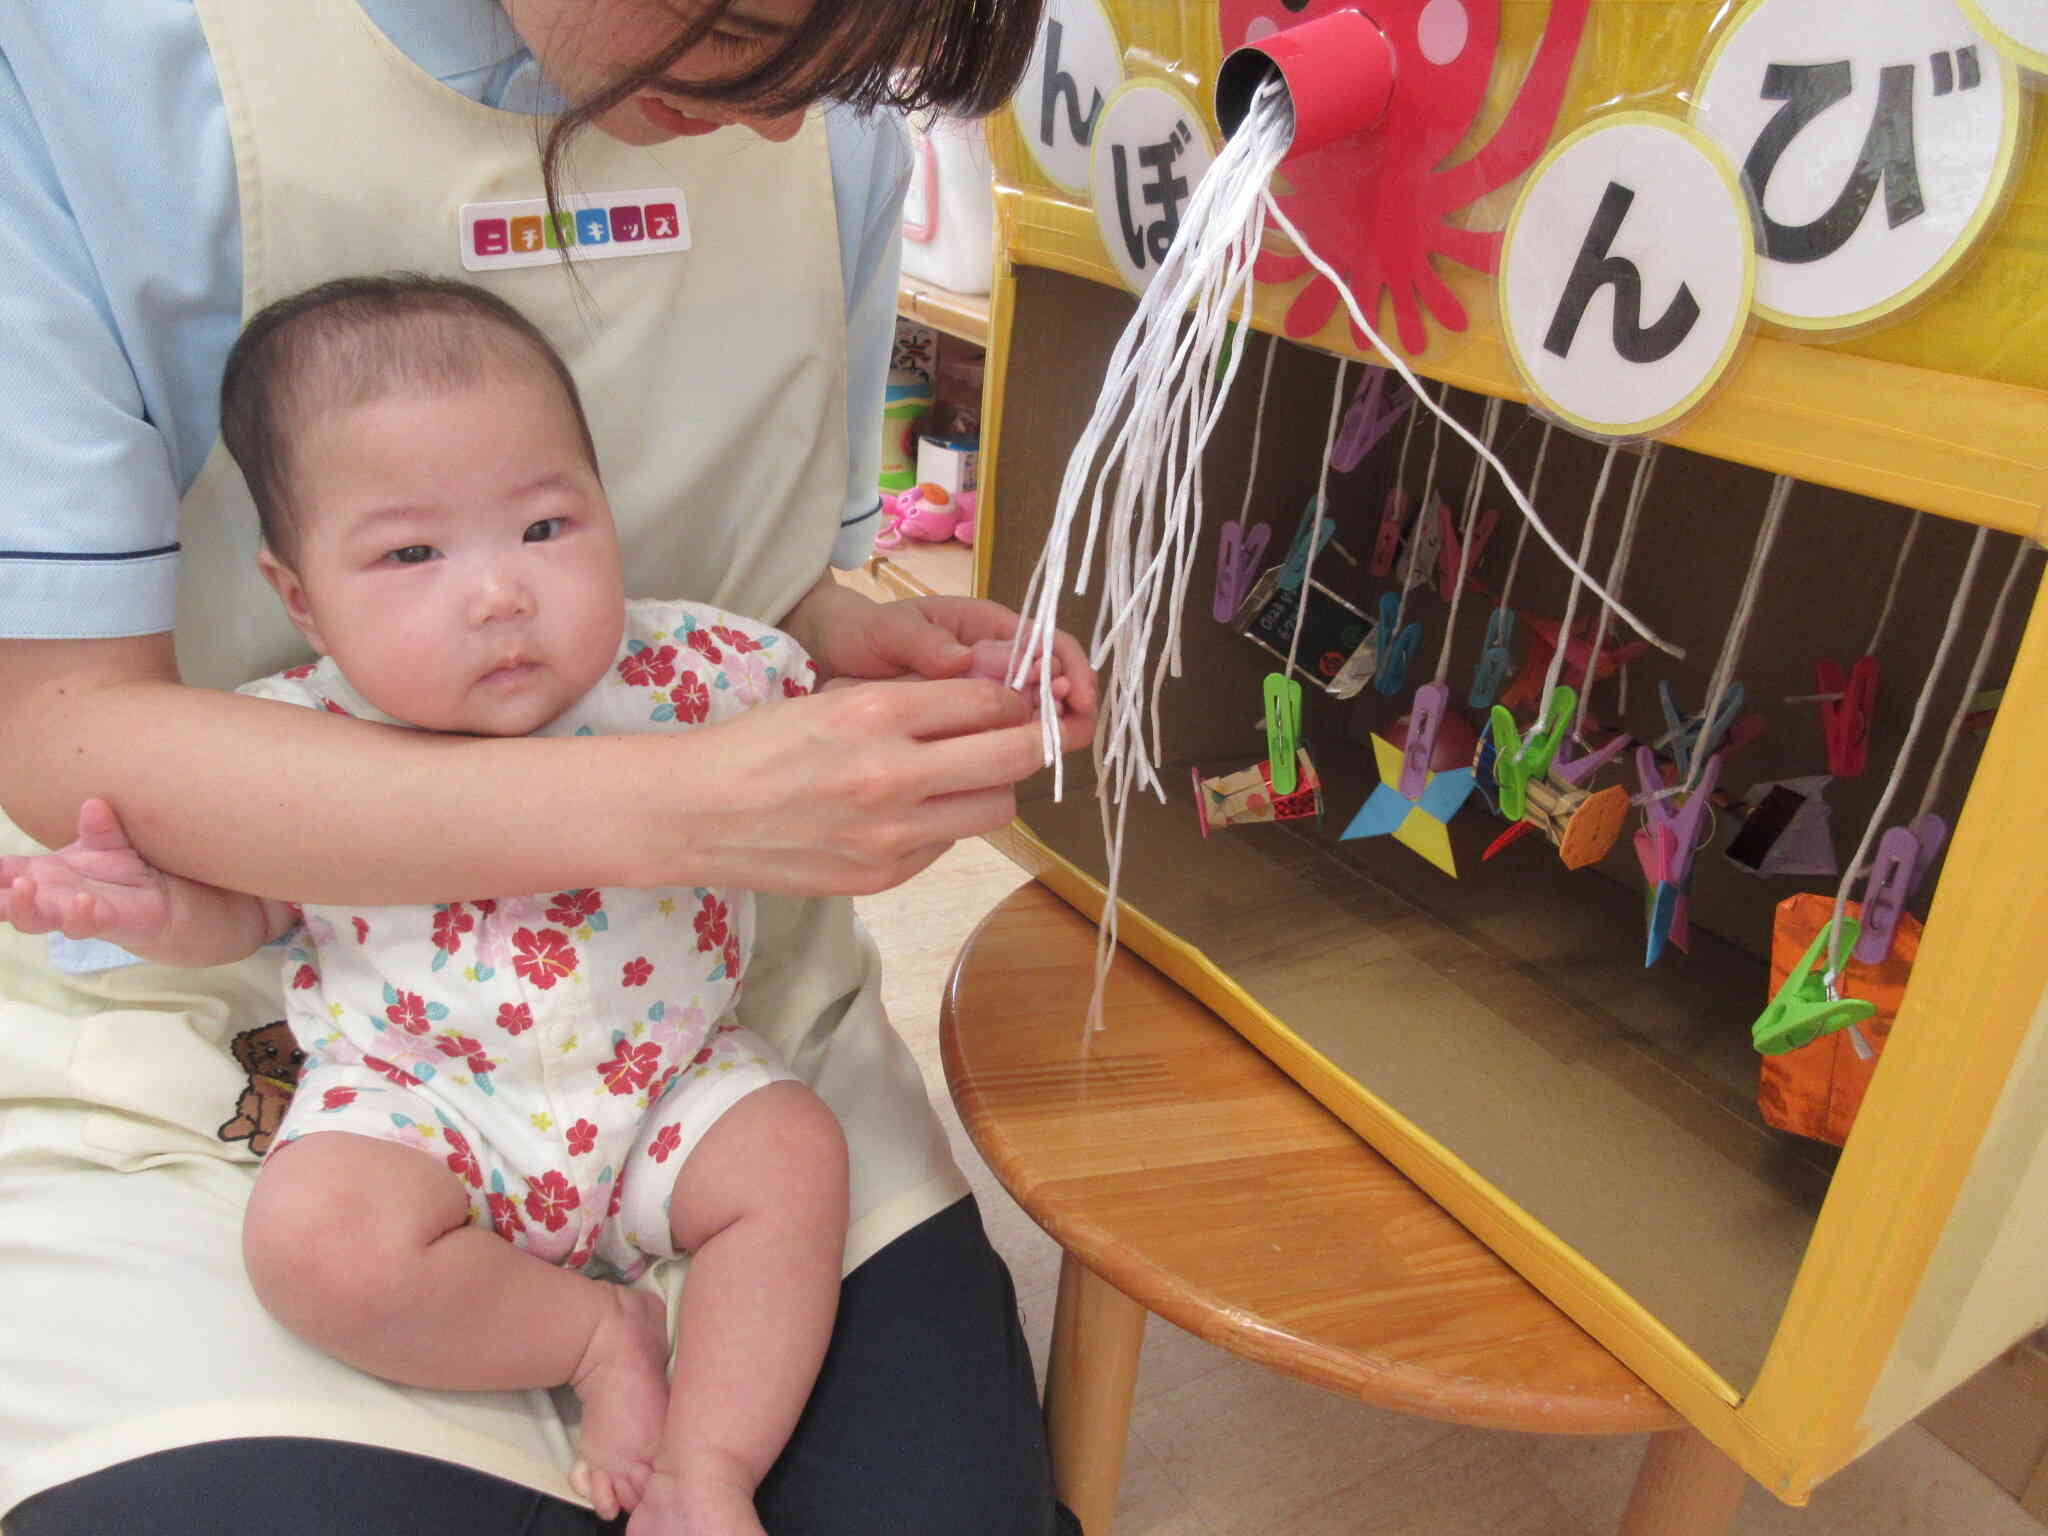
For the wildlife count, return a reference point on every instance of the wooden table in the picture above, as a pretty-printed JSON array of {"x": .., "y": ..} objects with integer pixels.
[{"x": 1183, "y": 1174}]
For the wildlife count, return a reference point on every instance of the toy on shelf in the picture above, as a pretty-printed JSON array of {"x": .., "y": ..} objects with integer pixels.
[{"x": 927, "y": 514}]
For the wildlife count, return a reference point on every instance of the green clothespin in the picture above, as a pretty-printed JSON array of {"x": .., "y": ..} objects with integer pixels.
[
  {"x": 1283, "y": 730},
  {"x": 1518, "y": 761},
  {"x": 1807, "y": 1006}
]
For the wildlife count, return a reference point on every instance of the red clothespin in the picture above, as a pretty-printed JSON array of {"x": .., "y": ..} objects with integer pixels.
[
  {"x": 1386, "y": 542},
  {"x": 1450, "y": 549},
  {"x": 1847, "y": 709}
]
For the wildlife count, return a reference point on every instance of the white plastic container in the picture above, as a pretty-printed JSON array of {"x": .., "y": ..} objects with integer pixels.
[{"x": 949, "y": 212}]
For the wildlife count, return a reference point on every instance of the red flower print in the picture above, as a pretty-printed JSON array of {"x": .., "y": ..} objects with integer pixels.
[
  {"x": 398, "y": 1075},
  {"x": 711, "y": 918},
  {"x": 700, "y": 641},
  {"x": 450, "y": 924},
  {"x": 305, "y": 976},
  {"x": 702, "y": 1056},
  {"x": 462, "y": 1047},
  {"x": 332, "y": 708},
  {"x": 514, "y": 1018},
  {"x": 632, "y": 1067},
  {"x": 337, "y": 1098},
  {"x": 584, "y": 1250},
  {"x": 409, "y": 1013},
  {"x": 550, "y": 1198},
  {"x": 485, "y": 908},
  {"x": 732, "y": 958},
  {"x": 362, "y": 930},
  {"x": 636, "y": 972},
  {"x": 504, "y": 1215},
  {"x": 461, "y": 1159},
  {"x": 582, "y": 1138},
  {"x": 735, "y": 639},
  {"x": 792, "y": 689},
  {"x": 670, "y": 1138},
  {"x": 544, "y": 958},
  {"x": 572, "y": 909},
  {"x": 692, "y": 701},
  {"x": 660, "y": 1085},
  {"x": 305, "y": 669},
  {"x": 618, "y": 1198},
  {"x": 650, "y": 668}
]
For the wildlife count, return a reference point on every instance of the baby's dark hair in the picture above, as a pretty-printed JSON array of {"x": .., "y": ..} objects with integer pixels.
[{"x": 353, "y": 340}]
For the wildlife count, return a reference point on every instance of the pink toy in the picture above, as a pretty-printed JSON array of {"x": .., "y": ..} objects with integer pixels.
[{"x": 928, "y": 513}]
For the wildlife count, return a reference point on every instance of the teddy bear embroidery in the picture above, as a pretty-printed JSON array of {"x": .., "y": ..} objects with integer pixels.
[{"x": 272, "y": 1058}]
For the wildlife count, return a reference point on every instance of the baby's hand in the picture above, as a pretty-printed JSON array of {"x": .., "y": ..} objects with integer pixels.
[{"x": 97, "y": 887}]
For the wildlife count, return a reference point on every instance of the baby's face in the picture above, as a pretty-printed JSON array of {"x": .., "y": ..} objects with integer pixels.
[{"x": 457, "y": 556}]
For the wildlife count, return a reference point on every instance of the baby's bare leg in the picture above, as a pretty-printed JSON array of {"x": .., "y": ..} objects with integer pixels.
[
  {"x": 364, "y": 1249},
  {"x": 761, "y": 1207}
]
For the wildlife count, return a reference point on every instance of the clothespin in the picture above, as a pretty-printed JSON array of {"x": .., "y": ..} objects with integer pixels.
[
  {"x": 1396, "y": 650},
  {"x": 1295, "y": 567},
  {"x": 1367, "y": 420},
  {"x": 1424, "y": 716},
  {"x": 1687, "y": 734},
  {"x": 1902, "y": 862},
  {"x": 1809, "y": 1006},
  {"x": 1386, "y": 543},
  {"x": 1450, "y": 548},
  {"x": 1577, "y": 768},
  {"x": 1494, "y": 659},
  {"x": 1517, "y": 758},
  {"x": 1581, "y": 667},
  {"x": 1665, "y": 844},
  {"x": 1425, "y": 545},
  {"x": 1848, "y": 705},
  {"x": 1237, "y": 565},
  {"x": 1283, "y": 730}
]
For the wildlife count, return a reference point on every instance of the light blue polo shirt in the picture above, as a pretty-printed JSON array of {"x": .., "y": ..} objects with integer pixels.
[{"x": 121, "y": 241}]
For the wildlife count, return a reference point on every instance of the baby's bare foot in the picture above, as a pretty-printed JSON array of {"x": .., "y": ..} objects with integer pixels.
[
  {"x": 696, "y": 1503},
  {"x": 622, "y": 1382}
]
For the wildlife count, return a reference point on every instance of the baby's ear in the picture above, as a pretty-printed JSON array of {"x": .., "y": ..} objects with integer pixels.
[{"x": 292, "y": 593}]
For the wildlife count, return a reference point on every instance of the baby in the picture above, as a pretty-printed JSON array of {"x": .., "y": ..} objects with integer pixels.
[{"x": 504, "y": 1101}]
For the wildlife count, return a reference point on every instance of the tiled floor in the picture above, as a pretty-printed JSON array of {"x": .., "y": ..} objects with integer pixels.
[{"x": 1222, "y": 1448}]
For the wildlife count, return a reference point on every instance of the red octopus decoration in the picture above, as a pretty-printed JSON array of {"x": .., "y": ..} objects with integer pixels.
[{"x": 1376, "y": 206}]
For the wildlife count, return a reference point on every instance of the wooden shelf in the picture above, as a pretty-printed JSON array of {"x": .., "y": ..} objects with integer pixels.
[
  {"x": 925, "y": 570},
  {"x": 957, "y": 314}
]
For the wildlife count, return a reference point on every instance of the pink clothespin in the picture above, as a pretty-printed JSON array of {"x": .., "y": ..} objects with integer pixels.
[
  {"x": 1386, "y": 543},
  {"x": 1664, "y": 847},
  {"x": 1450, "y": 549},
  {"x": 1904, "y": 856},
  {"x": 1237, "y": 565},
  {"x": 1367, "y": 421},
  {"x": 1847, "y": 709}
]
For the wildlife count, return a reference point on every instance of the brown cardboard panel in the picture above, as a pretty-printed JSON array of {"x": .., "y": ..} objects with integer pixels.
[{"x": 1998, "y": 1420}]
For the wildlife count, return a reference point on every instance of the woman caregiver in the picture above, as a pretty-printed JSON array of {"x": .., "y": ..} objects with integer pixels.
[{"x": 167, "y": 166}]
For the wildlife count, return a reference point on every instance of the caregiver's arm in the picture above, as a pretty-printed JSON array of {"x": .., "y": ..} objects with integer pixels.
[{"x": 852, "y": 790}]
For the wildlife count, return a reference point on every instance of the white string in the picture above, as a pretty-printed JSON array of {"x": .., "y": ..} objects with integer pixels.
[
  {"x": 1279, "y": 216},
  {"x": 1976, "y": 678},
  {"x": 1315, "y": 531},
  {"x": 1417, "y": 538},
  {"x": 1473, "y": 489},
  {"x": 1579, "y": 578},
  {"x": 1251, "y": 474},
  {"x": 1891, "y": 788},
  {"x": 1522, "y": 533},
  {"x": 1898, "y": 569},
  {"x": 1617, "y": 569}
]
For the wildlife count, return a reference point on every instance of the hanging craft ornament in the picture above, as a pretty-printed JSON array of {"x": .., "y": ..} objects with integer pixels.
[
  {"x": 1496, "y": 656},
  {"x": 1241, "y": 542}
]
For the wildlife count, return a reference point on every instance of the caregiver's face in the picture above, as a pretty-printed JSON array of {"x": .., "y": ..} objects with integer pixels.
[{"x": 585, "y": 45}]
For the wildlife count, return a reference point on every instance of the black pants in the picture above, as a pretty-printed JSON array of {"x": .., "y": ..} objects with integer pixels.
[{"x": 924, "y": 1422}]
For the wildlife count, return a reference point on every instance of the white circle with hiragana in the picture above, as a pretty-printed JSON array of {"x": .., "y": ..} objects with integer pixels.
[
  {"x": 1626, "y": 273},
  {"x": 2016, "y": 28},
  {"x": 1876, "y": 137},
  {"x": 1075, "y": 68},
  {"x": 1152, "y": 149}
]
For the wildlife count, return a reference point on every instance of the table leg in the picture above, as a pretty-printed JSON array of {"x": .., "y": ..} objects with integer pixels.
[
  {"x": 1089, "y": 1379},
  {"x": 1687, "y": 1487}
]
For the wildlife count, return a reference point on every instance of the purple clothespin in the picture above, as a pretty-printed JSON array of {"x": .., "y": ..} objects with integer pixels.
[
  {"x": 1578, "y": 768},
  {"x": 1665, "y": 846},
  {"x": 1237, "y": 563},
  {"x": 1902, "y": 862},
  {"x": 1367, "y": 421},
  {"x": 1424, "y": 716}
]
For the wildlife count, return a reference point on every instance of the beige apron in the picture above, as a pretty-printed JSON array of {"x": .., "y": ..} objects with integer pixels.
[{"x": 132, "y": 1326}]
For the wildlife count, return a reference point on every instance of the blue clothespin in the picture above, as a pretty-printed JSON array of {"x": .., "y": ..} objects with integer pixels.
[
  {"x": 1396, "y": 650},
  {"x": 1295, "y": 567},
  {"x": 1686, "y": 734},
  {"x": 1518, "y": 759},
  {"x": 1664, "y": 847},
  {"x": 1237, "y": 564},
  {"x": 1904, "y": 856},
  {"x": 1496, "y": 660}
]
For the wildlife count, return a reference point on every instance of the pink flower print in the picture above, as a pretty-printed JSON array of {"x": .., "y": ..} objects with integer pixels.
[
  {"x": 667, "y": 1141},
  {"x": 632, "y": 1067},
  {"x": 362, "y": 930},
  {"x": 337, "y": 1098},
  {"x": 649, "y": 668},
  {"x": 398, "y": 1075},
  {"x": 582, "y": 1138},
  {"x": 504, "y": 1214},
  {"x": 692, "y": 701},
  {"x": 550, "y": 1198},
  {"x": 543, "y": 958},
  {"x": 731, "y": 957},
  {"x": 572, "y": 909},
  {"x": 700, "y": 641},
  {"x": 711, "y": 916},
  {"x": 463, "y": 1048},
  {"x": 636, "y": 972},
  {"x": 409, "y": 1013},
  {"x": 450, "y": 924},
  {"x": 749, "y": 676},
  {"x": 305, "y": 976},
  {"x": 461, "y": 1159},
  {"x": 515, "y": 1018}
]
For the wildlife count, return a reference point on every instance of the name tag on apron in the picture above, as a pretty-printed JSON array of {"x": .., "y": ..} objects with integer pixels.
[{"x": 654, "y": 221}]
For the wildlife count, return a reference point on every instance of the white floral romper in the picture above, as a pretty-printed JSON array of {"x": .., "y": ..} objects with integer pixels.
[{"x": 560, "y": 1052}]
